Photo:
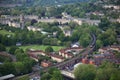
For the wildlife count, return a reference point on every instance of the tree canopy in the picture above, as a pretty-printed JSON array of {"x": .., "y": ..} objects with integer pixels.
[
  {"x": 106, "y": 71},
  {"x": 49, "y": 49},
  {"x": 85, "y": 72},
  {"x": 53, "y": 74}
]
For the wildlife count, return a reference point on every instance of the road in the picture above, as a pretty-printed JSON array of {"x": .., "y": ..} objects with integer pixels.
[{"x": 13, "y": 58}]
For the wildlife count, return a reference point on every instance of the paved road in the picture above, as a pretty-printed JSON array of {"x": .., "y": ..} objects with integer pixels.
[{"x": 9, "y": 55}]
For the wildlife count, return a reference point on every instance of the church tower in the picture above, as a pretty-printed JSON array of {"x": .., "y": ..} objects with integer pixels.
[{"x": 22, "y": 21}]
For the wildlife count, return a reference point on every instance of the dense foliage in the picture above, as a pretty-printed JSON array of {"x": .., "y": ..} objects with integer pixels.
[
  {"x": 5, "y": 59},
  {"x": 2, "y": 47},
  {"x": 49, "y": 49},
  {"x": 52, "y": 74},
  {"x": 107, "y": 71},
  {"x": 22, "y": 66},
  {"x": 85, "y": 72},
  {"x": 42, "y": 2},
  {"x": 106, "y": 33}
]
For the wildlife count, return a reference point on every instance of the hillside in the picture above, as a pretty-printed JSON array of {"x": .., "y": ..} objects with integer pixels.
[
  {"x": 41, "y": 2},
  {"x": 56, "y": 2}
]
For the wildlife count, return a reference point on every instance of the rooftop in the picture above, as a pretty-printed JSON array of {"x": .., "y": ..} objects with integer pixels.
[{"x": 7, "y": 77}]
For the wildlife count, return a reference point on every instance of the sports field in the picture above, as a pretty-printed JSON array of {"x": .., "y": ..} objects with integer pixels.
[{"x": 40, "y": 47}]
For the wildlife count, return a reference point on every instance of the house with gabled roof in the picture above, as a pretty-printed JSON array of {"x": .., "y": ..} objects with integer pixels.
[{"x": 57, "y": 58}]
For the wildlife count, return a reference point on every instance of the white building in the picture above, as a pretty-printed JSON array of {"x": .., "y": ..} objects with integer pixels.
[
  {"x": 32, "y": 28},
  {"x": 14, "y": 24},
  {"x": 112, "y": 6}
]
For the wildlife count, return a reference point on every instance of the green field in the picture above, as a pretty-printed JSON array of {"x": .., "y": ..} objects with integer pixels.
[
  {"x": 40, "y": 47},
  {"x": 4, "y": 32}
]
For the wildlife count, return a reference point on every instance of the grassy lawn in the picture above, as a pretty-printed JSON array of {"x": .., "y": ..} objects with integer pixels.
[
  {"x": 40, "y": 47},
  {"x": 4, "y": 32}
]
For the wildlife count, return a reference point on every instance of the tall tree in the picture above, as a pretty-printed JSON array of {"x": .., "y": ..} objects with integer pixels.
[
  {"x": 7, "y": 68},
  {"x": 85, "y": 72},
  {"x": 12, "y": 49},
  {"x": 2, "y": 47},
  {"x": 107, "y": 71},
  {"x": 105, "y": 23},
  {"x": 49, "y": 49},
  {"x": 99, "y": 44},
  {"x": 46, "y": 76},
  {"x": 56, "y": 76},
  {"x": 19, "y": 51},
  {"x": 19, "y": 67}
]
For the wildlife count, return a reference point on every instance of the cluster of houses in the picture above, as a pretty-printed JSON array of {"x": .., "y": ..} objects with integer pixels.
[
  {"x": 85, "y": 61},
  {"x": 33, "y": 28},
  {"x": 108, "y": 53},
  {"x": 62, "y": 55},
  {"x": 80, "y": 21},
  {"x": 88, "y": 61},
  {"x": 9, "y": 20},
  {"x": 112, "y": 6},
  {"x": 105, "y": 53}
]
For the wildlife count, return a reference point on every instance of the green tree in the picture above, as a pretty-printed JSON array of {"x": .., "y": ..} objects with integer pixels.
[
  {"x": 46, "y": 76},
  {"x": 27, "y": 66},
  {"x": 99, "y": 44},
  {"x": 53, "y": 41},
  {"x": 85, "y": 72},
  {"x": 68, "y": 43},
  {"x": 8, "y": 41},
  {"x": 7, "y": 68},
  {"x": 2, "y": 47},
  {"x": 61, "y": 37},
  {"x": 57, "y": 76},
  {"x": 85, "y": 40},
  {"x": 105, "y": 23},
  {"x": 107, "y": 71},
  {"x": 12, "y": 49},
  {"x": 26, "y": 77},
  {"x": 19, "y": 67},
  {"x": 115, "y": 76},
  {"x": 52, "y": 74},
  {"x": 21, "y": 56},
  {"x": 5, "y": 59},
  {"x": 75, "y": 35},
  {"x": 108, "y": 37},
  {"x": 52, "y": 69},
  {"x": 49, "y": 49},
  {"x": 46, "y": 41},
  {"x": 1, "y": 36},
  {"x": 19, "y": 51}
]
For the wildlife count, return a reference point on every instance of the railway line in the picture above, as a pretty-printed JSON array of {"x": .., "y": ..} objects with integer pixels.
[
  {"x": 71, "y": 61},
  {"x": 77, "y": 58}
]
